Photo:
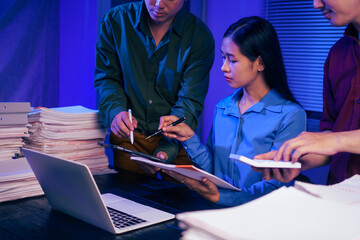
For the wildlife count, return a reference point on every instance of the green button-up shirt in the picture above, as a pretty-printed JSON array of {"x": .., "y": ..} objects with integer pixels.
[{"x": 169, "y": 79}]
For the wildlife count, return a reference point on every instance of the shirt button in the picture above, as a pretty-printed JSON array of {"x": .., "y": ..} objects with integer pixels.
[{"x": 150, "y": 101}]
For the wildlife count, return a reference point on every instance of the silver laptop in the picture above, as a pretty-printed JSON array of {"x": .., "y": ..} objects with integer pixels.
[{"x": 71, "y": 189}]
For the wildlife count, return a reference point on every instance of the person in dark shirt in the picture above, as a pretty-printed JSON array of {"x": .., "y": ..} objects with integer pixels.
[
  {"x": 154, "y": 58},
  {"x": 339, "y": 144}
]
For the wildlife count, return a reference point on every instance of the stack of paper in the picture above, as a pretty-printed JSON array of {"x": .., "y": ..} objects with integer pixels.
[
  {"x": 347, "y": 192},
  {"x": 13, "y": 126},
  {"x": 17, "y": 180},
  {"x": 68, "y": 132},
  {"x": 286, "y": 213}
]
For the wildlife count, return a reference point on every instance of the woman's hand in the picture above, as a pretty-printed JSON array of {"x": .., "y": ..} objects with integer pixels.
[
  {"x": 181, "y": 131},
  {"x": 205, "y": 187},
  {"x": 280, "y": 174}
]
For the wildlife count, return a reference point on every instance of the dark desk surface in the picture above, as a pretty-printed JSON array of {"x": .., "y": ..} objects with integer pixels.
[{"x": 33, "y": 218}]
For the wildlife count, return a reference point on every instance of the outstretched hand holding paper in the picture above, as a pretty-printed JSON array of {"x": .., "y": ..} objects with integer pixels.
[{"x": 265, "y": 163}]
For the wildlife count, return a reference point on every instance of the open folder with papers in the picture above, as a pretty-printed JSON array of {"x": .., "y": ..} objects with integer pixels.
[{"x": 187, "y": 170}]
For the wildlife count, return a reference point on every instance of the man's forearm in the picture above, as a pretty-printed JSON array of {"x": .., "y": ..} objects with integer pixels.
[
  {"x": 313, "y": 161},
  {"x": 349, "y": 141}
]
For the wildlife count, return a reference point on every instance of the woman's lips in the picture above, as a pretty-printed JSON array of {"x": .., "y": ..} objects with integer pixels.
[{"x": 326, "y": 13}]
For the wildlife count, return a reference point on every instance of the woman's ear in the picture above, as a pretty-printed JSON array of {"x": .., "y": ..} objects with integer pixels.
[{"x": 260, "y": 64}]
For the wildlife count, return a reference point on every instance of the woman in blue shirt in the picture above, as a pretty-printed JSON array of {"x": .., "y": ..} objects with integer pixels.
[{"x": 258, "y": 117}]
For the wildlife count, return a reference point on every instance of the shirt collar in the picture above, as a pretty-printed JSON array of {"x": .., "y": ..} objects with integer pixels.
[
  {"x": 272, "y": 101},
  {"x": 179, "y": 25},
  {"x": 351, "y": 32},
  {"x": 140, "y": 21}
]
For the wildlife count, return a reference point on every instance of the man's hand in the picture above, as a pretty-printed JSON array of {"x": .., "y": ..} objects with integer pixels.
[
  {"x": 121, "y": 124},
  {"x": 322, "y": 143},
  {"x": 308, "y": 161},
  {"x": 205, "y": 187},
  {"x": 181, "y": 132}
]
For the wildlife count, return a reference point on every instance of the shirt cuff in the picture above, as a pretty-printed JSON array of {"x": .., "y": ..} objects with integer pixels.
[
  {"x": 112, "y": 113},
  {"x": 192, "y": 146},
  {"x": 227, "y": 197}
]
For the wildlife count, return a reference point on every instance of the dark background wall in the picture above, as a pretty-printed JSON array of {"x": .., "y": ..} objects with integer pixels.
[
  {"x": 48, "y": 49},
  {"x": 29, "y": 51}
]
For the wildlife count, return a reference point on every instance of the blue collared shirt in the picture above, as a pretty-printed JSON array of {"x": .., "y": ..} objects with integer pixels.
[{"x": 262, "y": 128}]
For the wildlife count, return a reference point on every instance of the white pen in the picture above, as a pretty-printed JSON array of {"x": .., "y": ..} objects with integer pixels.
[{"x": 131, "y": 132}]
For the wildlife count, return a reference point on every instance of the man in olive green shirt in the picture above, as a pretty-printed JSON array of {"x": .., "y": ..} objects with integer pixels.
[{"x": 154, "y": 58}]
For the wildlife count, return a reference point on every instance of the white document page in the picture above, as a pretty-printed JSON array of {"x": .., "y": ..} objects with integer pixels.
[
  {"x": 286, "y": 213},
  {"x": 347, "y": 192}
]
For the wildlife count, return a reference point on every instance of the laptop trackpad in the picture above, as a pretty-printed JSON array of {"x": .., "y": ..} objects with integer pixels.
[{"x": 123, "y": 204}]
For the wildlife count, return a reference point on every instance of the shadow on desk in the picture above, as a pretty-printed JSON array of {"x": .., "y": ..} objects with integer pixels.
[{"x": 33, "y": 218}]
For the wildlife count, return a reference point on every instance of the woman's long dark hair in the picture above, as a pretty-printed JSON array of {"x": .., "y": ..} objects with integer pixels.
[{"x": 256, "y": 37}]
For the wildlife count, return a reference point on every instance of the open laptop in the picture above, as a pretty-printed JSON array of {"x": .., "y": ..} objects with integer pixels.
[{"x": 71, "y": 189}]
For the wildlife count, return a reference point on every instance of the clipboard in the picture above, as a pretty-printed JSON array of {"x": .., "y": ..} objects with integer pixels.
[
  {"x": 187, "y": 170},
  {"x": 129, "y": 151}
]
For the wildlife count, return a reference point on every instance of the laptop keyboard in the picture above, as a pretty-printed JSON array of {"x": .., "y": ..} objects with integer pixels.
[{"x": 122, "y": 220}]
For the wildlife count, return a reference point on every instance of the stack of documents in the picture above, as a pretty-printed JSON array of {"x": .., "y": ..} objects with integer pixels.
[
  {"x": 347, "y": 192},
  {"x": 16, "y": 177},
  {"x": 302, "y": 212},
  {"x": 68, "y": 132},
  {"x": 17, "y": 180},
  {"x": 13, "y": 127}
]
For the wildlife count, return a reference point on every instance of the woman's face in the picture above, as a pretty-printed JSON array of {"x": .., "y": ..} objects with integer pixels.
[
  {"x": 339, "y": 12},
  {"x": 238, "y": 70}
]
